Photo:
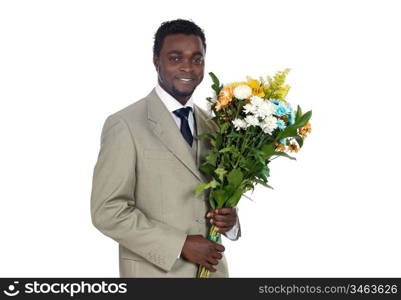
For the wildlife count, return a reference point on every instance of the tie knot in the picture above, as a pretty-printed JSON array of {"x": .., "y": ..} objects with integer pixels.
[{"x": 183, "y": 112}]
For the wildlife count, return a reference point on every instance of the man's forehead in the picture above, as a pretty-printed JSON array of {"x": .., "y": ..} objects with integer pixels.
[{"x": 180, "y": 43}]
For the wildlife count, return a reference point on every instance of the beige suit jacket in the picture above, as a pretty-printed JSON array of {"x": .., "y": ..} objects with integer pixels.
[{"x": 143, "y": 189}]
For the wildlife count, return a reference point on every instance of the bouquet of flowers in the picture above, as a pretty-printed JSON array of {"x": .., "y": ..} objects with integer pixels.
[{"x": 256, "y": 125}]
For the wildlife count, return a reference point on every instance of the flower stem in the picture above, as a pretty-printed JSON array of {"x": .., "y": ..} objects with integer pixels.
[{"x": 213, "y": 236}]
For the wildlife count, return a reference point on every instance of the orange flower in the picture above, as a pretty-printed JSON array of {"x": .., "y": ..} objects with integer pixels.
[
  {"x": 225, "y": 97},
  {"x": 303, "y": 131},
  {"x": 280, "y": 147},
  {"x": 293, "y": 147}
]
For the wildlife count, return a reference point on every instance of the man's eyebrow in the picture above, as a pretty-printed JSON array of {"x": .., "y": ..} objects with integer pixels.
[
  {"x": 174, "y": 52},
  {"x": 180, "y": 52},
  {"x": 198, "y": 53}
]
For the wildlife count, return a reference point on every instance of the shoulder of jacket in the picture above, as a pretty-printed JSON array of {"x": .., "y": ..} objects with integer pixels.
[
  {"x": 130, "y": 113},
  {"x": 123, "y": 118}
]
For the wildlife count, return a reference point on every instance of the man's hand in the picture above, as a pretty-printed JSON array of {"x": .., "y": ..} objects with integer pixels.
[
  {"x": 202, "y": 251},
  {"x": 223, "y": 218}
]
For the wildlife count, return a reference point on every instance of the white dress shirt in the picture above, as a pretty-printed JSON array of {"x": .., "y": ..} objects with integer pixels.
[{"x": 172, "y": 104}]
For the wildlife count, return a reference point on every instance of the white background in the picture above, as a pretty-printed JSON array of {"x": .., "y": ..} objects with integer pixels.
[{"x": 66, "y": 65}]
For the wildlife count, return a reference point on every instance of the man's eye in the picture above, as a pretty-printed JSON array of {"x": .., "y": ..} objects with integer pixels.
[
  {"x": 198, "y": 60},
  {"x": 174, "y": 59}
]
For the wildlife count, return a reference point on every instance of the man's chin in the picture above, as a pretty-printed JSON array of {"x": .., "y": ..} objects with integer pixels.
[{"x": 183, "y": 93}]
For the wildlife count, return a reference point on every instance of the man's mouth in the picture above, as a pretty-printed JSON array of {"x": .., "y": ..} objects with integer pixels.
[{"x": 186, "y": 80}]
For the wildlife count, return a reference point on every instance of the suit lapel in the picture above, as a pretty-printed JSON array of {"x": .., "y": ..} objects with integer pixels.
[{"x": 165, "y": 128}]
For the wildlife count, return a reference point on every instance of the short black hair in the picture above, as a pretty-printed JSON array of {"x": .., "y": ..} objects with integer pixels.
[{"x": 174, "y": 27}]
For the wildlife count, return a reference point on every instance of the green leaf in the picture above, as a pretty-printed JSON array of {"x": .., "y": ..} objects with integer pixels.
[
  {"x": 212, "y": 203},
  {"x": 263, "y": 183},
  {"x": 224, "y": 127},
  {"x": 235, "y": 177},
  {"x": 216, "y": 83},
  {"x": 203, "y": 186},
  {"x": 304, "y": 119},
  {"x": 218, "y": 141},
  {"x": 207, "y": 168},
  {"x": 213, "y": 184},
  {"x": 211, "y": 159},
  {"x": 299, "y": 140},
  {"x": 258, "y": 167},
  {"x": 199, "y": 189},
  {"x": 228, "y": 149},
  {"x": 268, "y": 186},
  {"x": 234, "y": 134},
  {"x": 268, "y": 150},
  {"x": 220, "y": 173},
  {"x": 287, "y": 132},
  {"x": 292, "y": 130},
  {"x": 247, "y": 164},
  {"x": 259, "y": 155},
  {"x": 234, "y": 199},
  {"x": 298, "y": 114},
  {"x": 211, "y": 200},
  {"x": 285, "y": 155},
  {"x": 264, "y": 174},
  {"x": 220, "y": 196}
]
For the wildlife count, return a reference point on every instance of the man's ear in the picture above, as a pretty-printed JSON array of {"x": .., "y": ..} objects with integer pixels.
[{"x": 156, "y": 62}]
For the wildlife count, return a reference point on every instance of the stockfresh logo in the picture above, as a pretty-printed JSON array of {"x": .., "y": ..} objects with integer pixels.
[{"x": 12, "y": 289}]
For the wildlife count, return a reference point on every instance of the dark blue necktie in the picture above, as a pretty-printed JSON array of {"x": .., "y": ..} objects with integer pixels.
[{"x": 183, "y": 114}]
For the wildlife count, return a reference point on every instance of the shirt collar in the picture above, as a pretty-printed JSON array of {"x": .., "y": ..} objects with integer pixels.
[{"x": 170, "y": 102}]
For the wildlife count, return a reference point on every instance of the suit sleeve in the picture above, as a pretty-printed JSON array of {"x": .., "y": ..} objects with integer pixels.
[{"x": 113, "y": 209}]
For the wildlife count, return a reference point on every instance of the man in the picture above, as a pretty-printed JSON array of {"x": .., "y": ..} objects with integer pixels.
[{"x": 147, "y": 169}]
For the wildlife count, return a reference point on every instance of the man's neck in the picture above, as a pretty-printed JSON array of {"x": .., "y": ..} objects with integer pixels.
[{"x": 182, "y": 100}]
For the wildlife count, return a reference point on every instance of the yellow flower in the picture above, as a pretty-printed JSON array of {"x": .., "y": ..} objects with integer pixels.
[
  {"x": 256, "y": 86},
  {"x": 293, "y": 147},
  {"x": 225, "y": 97}
]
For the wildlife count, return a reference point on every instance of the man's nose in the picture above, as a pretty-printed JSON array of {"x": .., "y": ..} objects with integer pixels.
[{"x": 186, "y": 66}]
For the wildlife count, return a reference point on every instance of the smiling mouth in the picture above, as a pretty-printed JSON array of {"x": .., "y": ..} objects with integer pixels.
[{"x": 186, "y": 80}]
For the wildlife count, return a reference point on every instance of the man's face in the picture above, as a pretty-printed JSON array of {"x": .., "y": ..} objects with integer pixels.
[{"x": 180, "y": 65}]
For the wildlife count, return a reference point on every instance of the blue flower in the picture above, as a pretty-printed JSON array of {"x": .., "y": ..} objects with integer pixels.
[
  {"x": 282, "y": 110},
  {"x": 283, "y": 141},
  {"x": 281, "y": 124},
  {"x": 275, "y": 101}
]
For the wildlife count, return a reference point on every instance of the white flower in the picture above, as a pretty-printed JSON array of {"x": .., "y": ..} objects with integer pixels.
[
  {"x": 242, "y": 91},
  {"x": 250, "y": 108},
  {"x": 251, "y": 120},
  {"x": 269, "y": 124},
  {"x": 239, "y": 124},
  {"x": 256, "y": 100},
  {"x": 265, "y": 109}
]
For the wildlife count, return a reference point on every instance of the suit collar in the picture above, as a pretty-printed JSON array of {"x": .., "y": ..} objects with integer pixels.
[
  {"x": 169, "y": 101},
  {"x": 165, "y": 128}
]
